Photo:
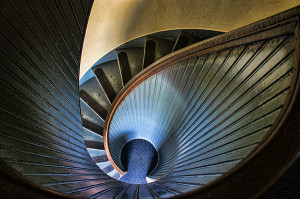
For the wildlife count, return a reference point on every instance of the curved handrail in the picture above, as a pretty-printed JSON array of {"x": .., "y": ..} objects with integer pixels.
[{"x": 286, "y": 23}]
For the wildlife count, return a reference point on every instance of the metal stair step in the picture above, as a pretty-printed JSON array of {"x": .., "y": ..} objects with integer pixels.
[
  {"x": 94, "y": 89},
  {"x": 99, "y": 159},
  {"x": 108, "y": 75},
  {"x": 94, "y": 144},
  {"x": 96, "y": 152},
  {"x": 97, "y": 155},
  {"x": 105, "y": 166},
  {"x": 185, "y": 39},
  {"x": 130, "y": 62},
  {"x": 92, "y": 126},
  {"x": 114, "y": 174},
  {"x": 91, "y": 136},
  {"x": 93, "y": 104},
  {"x": 156, "y": 48}
]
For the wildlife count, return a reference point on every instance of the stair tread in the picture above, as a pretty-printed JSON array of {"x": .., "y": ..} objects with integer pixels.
[
  {"x": 156, "y": 48},
  {"x": 92, "y": 126},
  {"x": 91, "y": 136},
  {"x": 107, "y": 168},
  {"x": 93, "y": 88},
  {"x": 135, "y": 60},
  {"x": 124, "y": 67},
  {"x": 93, "y": 104},
  {"x": 104, "y": 164},
  {"x": 99, "y": 159},
  {"x": 94, "y": 144},
  {"x": 114, "y": 174},
  {"x": 96, "y": 152},
  {"x": 88, "y": 114},
  {"x": 109, "y": 77},
  {"x": 185, "y": 39}
]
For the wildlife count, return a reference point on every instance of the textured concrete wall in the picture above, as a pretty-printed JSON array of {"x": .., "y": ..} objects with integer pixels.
[{"x": 113, "y": 22}]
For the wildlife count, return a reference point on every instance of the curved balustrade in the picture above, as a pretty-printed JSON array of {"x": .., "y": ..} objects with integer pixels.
[{"x": 216, "y": 111}]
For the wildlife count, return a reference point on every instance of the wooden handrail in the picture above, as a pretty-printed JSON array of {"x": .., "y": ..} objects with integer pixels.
[{"x": 286, "y": 23}]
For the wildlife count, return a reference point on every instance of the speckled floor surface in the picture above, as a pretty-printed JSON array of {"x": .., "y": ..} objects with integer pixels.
[{"x": 139, "y": 157}]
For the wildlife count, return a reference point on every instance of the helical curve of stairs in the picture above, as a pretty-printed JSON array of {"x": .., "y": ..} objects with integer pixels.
[
  {"x": 100, "y": 86},
  {"x": 180, "y": 113}
]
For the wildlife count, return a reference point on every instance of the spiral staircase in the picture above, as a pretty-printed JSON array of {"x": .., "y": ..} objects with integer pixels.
[
  {"x": 99, "y": 87},
  {"x": 189, "y": 113}
]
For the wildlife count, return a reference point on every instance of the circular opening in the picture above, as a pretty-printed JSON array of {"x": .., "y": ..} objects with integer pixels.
[{"x": 138, "y": 157}]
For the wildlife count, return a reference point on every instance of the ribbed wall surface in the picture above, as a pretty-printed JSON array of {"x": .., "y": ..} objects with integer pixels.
[
  {"x": 41, "y": 131},
  {"x": 206, "y": 114}
]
